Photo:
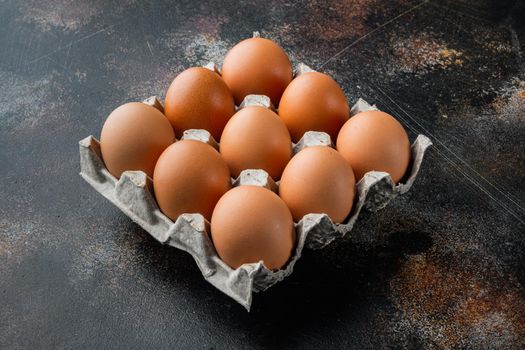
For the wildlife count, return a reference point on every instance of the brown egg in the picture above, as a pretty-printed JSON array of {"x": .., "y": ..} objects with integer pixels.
[
  {"x": 198, "y": 98},
  {"x": 375, "y": 140},
  {"x": 133, "y": 137},
  {"x": 255, "y": 138},
  {"x": 318, "y": 180},
  {"x": 257, "y": 66},
  {"x": 313, "y": 102},
  {"x": 190, "y": 177},
  {"x": 250, "y": 224}
]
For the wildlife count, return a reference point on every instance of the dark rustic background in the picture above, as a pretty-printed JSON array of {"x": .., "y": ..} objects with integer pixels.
[{"x": 443, "y": 266}]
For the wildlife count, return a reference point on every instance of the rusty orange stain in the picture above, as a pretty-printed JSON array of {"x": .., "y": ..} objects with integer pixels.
[{"x": 456, "y": 300}]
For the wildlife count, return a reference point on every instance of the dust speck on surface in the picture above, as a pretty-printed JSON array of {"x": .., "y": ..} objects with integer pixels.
[
  {"x": 28, "y": 104},
  {"x": 344, "y": 17},
  {"x": 209, "y": 25},
  {"x": 13, "y": 247},
  {"x": 332, "y": 25},
  {"x": 199, "y": 48},
  {"x": 498, "y": 46},
  {"x": 63, "y": 14},
  {"x": 81, "y": 76},
  {"x": 422, "y": 53},
  {"x": 175, "y": 51},
  {"x": 454, "y": 301},
  {"x": 510, "y": 100}
]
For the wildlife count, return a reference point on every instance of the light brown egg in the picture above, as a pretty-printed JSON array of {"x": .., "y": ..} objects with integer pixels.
[
  {"x": 313, "y": 102},
  {"x": 250, "y": 224},
  {"x": 198, "y": 98},
  {"x": 375, "y": 140},
  {"x": 190, "y": 177},
  {"x": 133, "y": 137},
  {"x": 257, "y": 66},
  {"x": 255, "y": 138},
  {"x": 318, "y": 180}
]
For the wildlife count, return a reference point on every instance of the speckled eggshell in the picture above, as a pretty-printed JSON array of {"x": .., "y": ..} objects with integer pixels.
[
  {"x": 255, "y": 138},
  {"x": 318, "y": 180},
  {"x": 198, "y": 98},
  {"x": 133, "y": 137},
  {"x": 374, "y": 140},
  {"x": 252, "y": 224},
  {"x": 257, "y": 66},
  {"x": 190, "y": 177},
  {"x": 313, "y": 102}
]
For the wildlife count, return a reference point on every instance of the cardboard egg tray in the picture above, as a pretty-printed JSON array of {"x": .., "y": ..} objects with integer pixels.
[{"x": 133, "y": 194}]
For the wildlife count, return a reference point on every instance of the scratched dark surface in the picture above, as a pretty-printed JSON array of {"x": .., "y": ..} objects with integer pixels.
[{"x": 442, "y": 267}]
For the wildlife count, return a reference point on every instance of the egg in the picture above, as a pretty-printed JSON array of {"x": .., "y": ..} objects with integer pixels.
[
  {"x": 375, "y": 140},
  {"x": 252, "y": 224},
  {"x": 313, "y": 102},
  {"x": 257, "y": 66},
  {"x": 255, "y": 138},
  {"x": 133, "y": 137},
  {"x": 318, "y": 180},
  {"x": 198, "y": 98},
  {"x": 190, "y": 177}
]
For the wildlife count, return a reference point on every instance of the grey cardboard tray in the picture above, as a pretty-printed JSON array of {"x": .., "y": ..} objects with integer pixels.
[{"x": 133, "y": 194}]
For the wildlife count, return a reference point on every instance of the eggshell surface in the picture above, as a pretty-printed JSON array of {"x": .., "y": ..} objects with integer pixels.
[
  {"x": 198, "y": 98},
  {"x": 313, "y": 102},
  {"x": 255, "y": 138},
  {"x": 375, "y": 140},
  {"x": 190, "y": 177},
  {"x": 133, "y": 137},
  {"x": 318, "y": 180},
  {"x": 257, "y": 66},
  {"x": 252, "y": 224}
]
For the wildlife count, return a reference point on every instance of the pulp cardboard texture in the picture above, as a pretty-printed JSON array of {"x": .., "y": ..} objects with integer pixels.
[{"x": 133, "y": 194}]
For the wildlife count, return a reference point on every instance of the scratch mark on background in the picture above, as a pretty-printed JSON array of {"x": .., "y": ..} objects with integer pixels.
[
  {"x": 149, "y": 47},
  {"x": 373, "y": 31},
  {"x": 74, "y": 42},
  {"x": 67, "y": 55},
  {"x": 503, "y": 203}
]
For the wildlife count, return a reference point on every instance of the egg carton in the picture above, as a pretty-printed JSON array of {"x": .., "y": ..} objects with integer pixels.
[{"x": 133, "y": 194}]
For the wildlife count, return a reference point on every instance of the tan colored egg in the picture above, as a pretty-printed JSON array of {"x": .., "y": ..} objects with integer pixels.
[
  {"x": 375, "y": 140},
  {"x": 133, "y": 137},
  {"x": 318, "y": 180},
  {"x": 198, "y": 98},
  {"x": 313, "y": 102},
  {"x": 255, "y": 138},
  {"x": 257, "y": 66},
  {"x": 252, "y": 224},
  {"x": 190, "y": 177}
]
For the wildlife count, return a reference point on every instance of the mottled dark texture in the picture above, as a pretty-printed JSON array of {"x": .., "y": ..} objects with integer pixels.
[{"x": 443, "y": 266}]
